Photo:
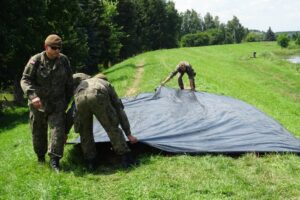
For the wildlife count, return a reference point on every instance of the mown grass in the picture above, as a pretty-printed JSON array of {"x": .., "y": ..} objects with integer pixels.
[{"x": 267, "y": 82}]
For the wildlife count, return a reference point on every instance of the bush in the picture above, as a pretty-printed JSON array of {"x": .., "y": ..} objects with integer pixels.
[
  {"x": 194, "y": 40},
  {"x": 283, "y": 40}
]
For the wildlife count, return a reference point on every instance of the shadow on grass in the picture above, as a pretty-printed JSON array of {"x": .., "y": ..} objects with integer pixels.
[
  {"x": 120, "y": 68},
  {"x": 10, "y": 118},
  {"x": 110, "y": 163}
]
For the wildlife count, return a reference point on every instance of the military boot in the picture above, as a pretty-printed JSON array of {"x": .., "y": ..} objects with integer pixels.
[
  {"x": 91, "y": 164},
  {"x": 54, "y": 163},
  {"x": 41, "y": 159},
  {"x": 128, "y": 160}
]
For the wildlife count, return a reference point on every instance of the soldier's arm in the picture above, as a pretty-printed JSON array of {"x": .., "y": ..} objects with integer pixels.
[
  {"x": 172, "y": 74},
  {"x": 69, "y": 84},
  {"x": 118, "y": 105},
  {"x": 70, "y": 115},
  {"x": 28, "y": 79}
]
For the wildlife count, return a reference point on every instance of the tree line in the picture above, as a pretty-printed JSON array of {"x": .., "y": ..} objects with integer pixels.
[{"x": 98, "y": 33}]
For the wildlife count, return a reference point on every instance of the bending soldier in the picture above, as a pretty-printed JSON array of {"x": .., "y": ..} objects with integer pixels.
[
  {"x": 96, "y": 96},
  {"x": 182, "y": 68},
  {"x": 48, "y": 83}
]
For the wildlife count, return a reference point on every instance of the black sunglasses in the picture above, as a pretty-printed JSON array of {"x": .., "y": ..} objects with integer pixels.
[{"x": 55, "y": 48}]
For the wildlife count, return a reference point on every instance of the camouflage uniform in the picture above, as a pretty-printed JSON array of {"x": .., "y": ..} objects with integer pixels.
[
  {"x": 97, "y": 96},
  {"x": 181, "y": 68},
  {"x": 52, "y": 82}
]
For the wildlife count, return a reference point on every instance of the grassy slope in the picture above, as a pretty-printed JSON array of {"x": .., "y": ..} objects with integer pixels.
[{"x": 267, "y": 82}]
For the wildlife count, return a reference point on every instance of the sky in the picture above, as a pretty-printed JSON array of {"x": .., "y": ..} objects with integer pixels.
[{"x": 280, "y": 15}]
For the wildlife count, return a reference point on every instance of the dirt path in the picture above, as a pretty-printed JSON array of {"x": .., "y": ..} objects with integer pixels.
[{"x": 137, "y": 79}]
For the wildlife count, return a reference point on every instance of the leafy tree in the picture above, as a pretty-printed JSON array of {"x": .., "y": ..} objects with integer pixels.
[
  {"x": 154, "y": 22},
  {"x": 24, "y": 26},
  {"x": 270, "y": 35},
  {"x": 68, "y": 24},
  {"x": 127, "y": 20},
  {"x": 236, "y": 29},
  {"x": 112, "y": 43},
  {"x": 20, "y": 38},
  {"x": 210, "y": 22},
  {"x": 191, "y": 22},
  {"x": 172, "y": 26},
  {"x": 283, "y": 40}
]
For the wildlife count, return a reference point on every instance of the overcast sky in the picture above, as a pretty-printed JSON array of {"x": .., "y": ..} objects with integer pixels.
[{"x": 280, "y": 15}]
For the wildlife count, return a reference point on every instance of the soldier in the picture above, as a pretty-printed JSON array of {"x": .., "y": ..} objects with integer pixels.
[
  {"x": 48, "y": 83},
  {"x": 96, "y": 96},
  {"x": 181, "y": 68}
]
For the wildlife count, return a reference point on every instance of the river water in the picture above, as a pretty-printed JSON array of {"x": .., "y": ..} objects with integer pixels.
[{"x": 294, "y": 59}]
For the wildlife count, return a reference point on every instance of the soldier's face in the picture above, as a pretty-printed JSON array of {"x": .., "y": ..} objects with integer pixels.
[{"x": 52, "y": 51}]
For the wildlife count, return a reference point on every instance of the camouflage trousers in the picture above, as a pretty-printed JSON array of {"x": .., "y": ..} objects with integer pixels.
[
  {"x": 39, "y": 122},
  {"x": 95, "y": 102}
]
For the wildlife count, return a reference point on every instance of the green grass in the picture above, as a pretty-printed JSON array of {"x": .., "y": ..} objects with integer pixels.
[{"x": 267, "y": 82}]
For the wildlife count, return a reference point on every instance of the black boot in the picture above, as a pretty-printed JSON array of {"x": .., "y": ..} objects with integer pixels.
[
  {"x": 128, "y": 160},
  {"x": 91, "y": 164},
  {"x": 41, "y": 159},
  {"x": 54, "y": 163}
]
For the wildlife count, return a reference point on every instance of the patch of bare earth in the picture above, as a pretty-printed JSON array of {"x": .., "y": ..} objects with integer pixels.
[{"x": 137, "y": 79}]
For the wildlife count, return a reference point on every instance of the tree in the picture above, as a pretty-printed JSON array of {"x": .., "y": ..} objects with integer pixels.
[
  {"x": 210, "y": 22},
  {"x": 236, "y": 29},
  {"x": 191, "y": 22},
  {"x": 127, "y": 20},
  {"x": 283, "y": 40},
  {"x": 20, "y": 38},
  {"x": 270, "y": 35},
  {"x": 24, "y": 27},
  {"x": 172, "y": 27}
]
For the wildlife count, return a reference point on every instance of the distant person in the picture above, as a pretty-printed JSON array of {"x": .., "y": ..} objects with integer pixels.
[
  {"x": 182, "y": 68},
  {"x": 96, "y": 96},
  {"x": 48, "y": 83}
]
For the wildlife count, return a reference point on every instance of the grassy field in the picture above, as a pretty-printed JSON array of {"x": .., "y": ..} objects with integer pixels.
[{"x": 268, "y": 82}]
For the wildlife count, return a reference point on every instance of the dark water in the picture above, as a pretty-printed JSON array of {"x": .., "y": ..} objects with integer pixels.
[{"x": 294, "y": 59}]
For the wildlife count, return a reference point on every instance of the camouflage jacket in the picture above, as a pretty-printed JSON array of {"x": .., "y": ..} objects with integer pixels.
[
  {"x": 50, "y": 80},
  {"x": 183, "y": 67},
  {"x": 103, "y": 86}
]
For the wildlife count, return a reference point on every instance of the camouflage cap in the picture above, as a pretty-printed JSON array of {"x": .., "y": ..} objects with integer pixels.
[
  {"x": 78, "y": 77},
  {"x": 53, "y": 40},
  {"x": 101, "y": 76}
]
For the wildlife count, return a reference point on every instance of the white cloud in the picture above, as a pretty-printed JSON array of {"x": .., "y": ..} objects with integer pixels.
[{"x": 280, "y": 15}]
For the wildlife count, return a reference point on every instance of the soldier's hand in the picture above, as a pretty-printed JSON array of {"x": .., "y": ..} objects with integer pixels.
[
  {"x": 66, "y": 139},
  {"x": 36, "y": 102},
  {"x": 132, "y": 139}
]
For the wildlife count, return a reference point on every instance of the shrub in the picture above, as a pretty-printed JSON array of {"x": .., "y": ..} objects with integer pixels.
[
  {"x": 283, "y": 40},
  {"x": 194, "y": 40}
]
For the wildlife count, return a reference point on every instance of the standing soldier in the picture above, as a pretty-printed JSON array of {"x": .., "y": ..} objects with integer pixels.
[
  {"x": 48, "y": 83},
  {"x": 181, "y": 68},
  {"x": 96, "y": 96}
]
